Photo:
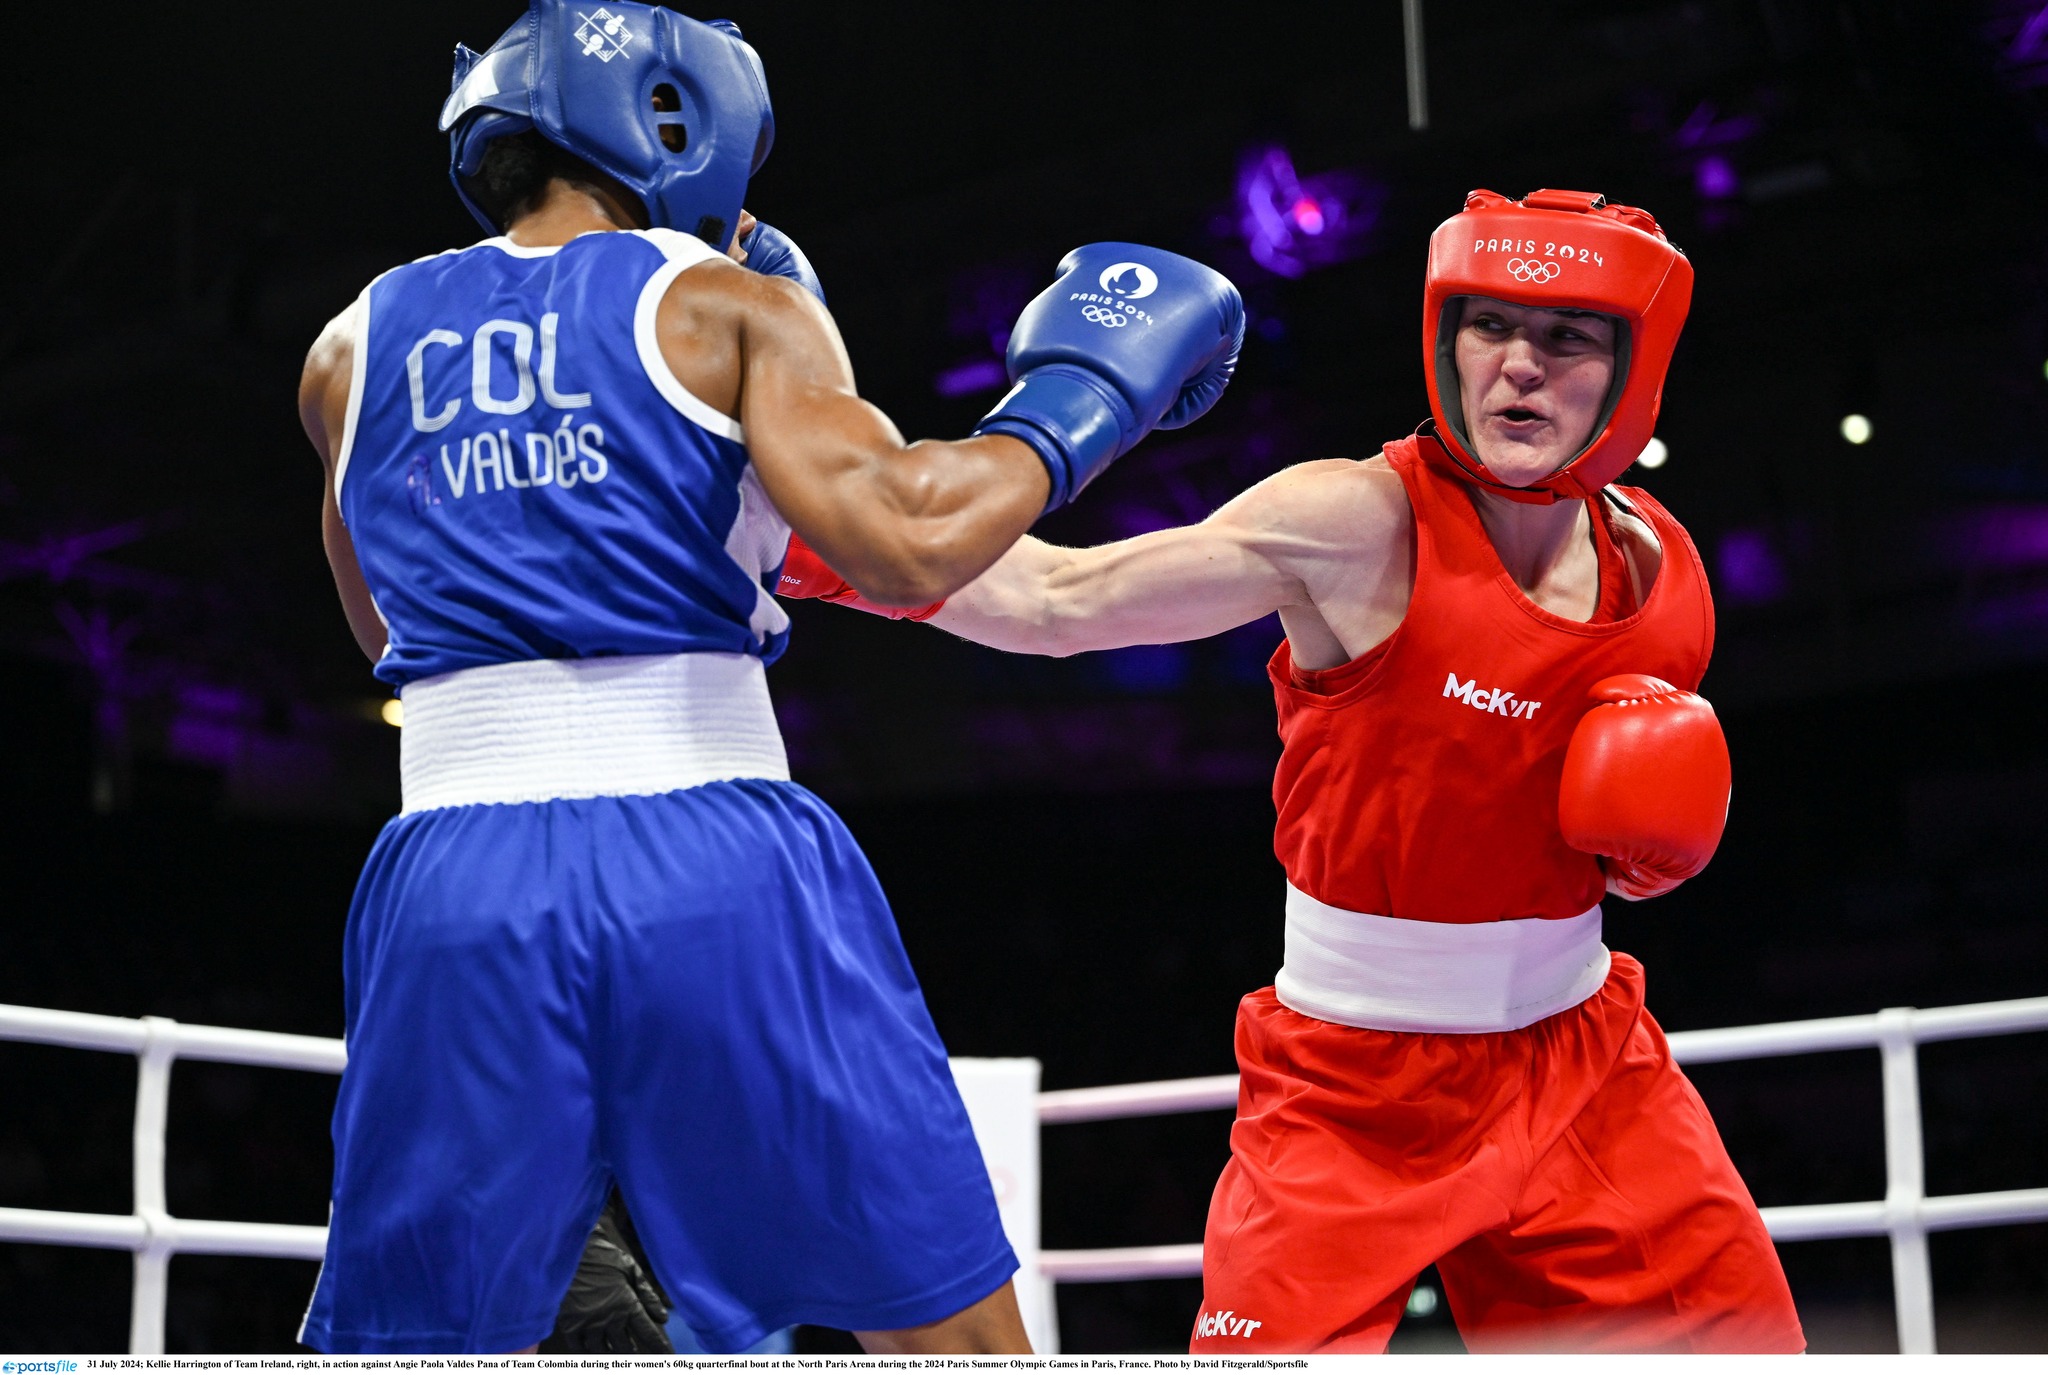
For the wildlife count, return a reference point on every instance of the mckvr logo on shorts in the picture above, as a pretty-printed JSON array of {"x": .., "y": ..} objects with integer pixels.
[{"x": 1225, "y": 1324}]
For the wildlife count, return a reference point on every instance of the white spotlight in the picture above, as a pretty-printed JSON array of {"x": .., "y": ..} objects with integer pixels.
[
  {"x": 1856, "y": 428},
  {"x": 1653, "y": 455},
  {"x": 393, "y": 712}
]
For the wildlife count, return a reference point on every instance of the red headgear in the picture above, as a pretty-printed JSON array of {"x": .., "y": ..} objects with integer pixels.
[{"x": 1559, "y": 250}]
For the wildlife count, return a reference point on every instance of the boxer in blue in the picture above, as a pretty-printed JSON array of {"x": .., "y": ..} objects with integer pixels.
[{"x": 608, "y": 941}]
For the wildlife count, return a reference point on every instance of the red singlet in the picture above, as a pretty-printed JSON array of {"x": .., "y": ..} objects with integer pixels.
[{"x": 1420, "y": 780}]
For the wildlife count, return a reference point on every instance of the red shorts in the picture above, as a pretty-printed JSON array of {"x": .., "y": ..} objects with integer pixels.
[{"x": 1565, "y": 1180}]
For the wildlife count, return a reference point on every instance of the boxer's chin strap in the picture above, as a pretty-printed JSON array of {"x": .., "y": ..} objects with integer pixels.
[{"x": 1450, "y": 459}]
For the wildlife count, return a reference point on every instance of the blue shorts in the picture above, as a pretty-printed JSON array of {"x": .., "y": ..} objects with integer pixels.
[{"x": 699, "y": 995}]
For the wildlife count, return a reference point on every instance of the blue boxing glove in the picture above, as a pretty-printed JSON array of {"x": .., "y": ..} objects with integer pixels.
[
  {"x": 773, "y": 253},
  {"x": 1129, "y": 339}
]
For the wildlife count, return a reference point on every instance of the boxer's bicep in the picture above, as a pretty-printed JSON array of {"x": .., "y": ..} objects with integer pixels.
[
  {"x": 1263, "y": 551},
  {"x": 903, "y": 523},
  {"x": 323, "y": 411},
  {"x": 1173, "y": 585}
]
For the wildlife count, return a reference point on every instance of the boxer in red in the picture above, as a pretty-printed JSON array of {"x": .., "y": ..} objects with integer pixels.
[{"x": 1488, "y": 719}]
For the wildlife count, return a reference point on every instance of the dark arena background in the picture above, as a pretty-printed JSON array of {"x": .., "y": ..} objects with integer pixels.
[{"x": 194, "y": 763}]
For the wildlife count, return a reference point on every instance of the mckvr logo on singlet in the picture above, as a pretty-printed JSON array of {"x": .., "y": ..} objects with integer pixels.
[{"x": 1495, "y": 701}]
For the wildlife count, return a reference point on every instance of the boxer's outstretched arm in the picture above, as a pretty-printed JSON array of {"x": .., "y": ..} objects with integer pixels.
[
  {"x": 1276, "y": 547},
  {"x": 904, "y": 523}
]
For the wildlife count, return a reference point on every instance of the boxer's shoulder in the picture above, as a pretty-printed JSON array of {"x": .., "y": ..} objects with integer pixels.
[
  {"x": 324, "y": 381},
  {"x": 1324, "y": 515},
  {"x": 716, "y": 315},
  {"x": 1341, "y": 494},
  {"x": 1636, "y": 536},
  {"x": 716, "y": 290},
  {"x": 334, "y": 344}
]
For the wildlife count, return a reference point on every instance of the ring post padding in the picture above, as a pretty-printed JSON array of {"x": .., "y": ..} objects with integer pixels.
[
  {"x": 153, "y": 1256},
  {"x": 1001, "y": 1096},
  {"x": 1906, "y": 1183}
]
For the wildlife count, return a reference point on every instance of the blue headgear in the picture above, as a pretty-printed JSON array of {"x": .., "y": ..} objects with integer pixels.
[{"x": 604, "y": 83}]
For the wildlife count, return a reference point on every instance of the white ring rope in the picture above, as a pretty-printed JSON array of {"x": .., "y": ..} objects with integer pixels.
[{"x": 1906, "y": 1214}]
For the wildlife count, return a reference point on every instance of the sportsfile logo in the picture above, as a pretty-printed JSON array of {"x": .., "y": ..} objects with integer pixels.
[
  {"x": 1495, "y": 701},
  {"x": 1225, "y": 1324},
  {"x": 604, "y": 35}
]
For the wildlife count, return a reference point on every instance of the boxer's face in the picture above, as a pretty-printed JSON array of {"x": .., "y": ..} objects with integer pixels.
[{"x": 1531, "y": 383}]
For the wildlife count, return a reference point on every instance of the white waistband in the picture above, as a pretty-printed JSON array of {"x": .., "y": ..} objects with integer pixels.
[
  {"x": 630, "y": 726},
  {"x": 1390, "y": 974}
]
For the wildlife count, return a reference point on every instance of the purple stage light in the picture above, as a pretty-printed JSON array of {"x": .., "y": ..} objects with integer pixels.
[
  {"x": 211, "y": 699},
  {"x": 1294, "y": 224},
  {"x": 1129, "y": 519},
  {"x": 2021, "y": 28},
  {"x": 2028, "y": 42},
  {"x": 205, "y": 740},
  {"x": 1146, "y": 668},
  {"x": 984, "y": 303},
  {"x": 2018, "y": 612},
  {"x": 1704, "y": 128},
  {"x": 2000, "y": 537},
  {"x": 1748, "y": 568},
  {"x": 1702, "y": 142},
  {"x": 213, "y": 723},
  {"x": 100, "y": 640},
  {"x": 1715, "y": 178},
  {"x": 977, "y": 375},
  {"x": 58, "y": 557},
  {"x": 1248, "y": 649},
  {"x": 985, "y": 300}
]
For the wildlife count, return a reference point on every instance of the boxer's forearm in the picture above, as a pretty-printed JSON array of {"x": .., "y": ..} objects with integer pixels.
[
  {"x": 1011, "y": 606},
  {"x": 356, "y": 603},
  {"x": 1161, "y": 588}
]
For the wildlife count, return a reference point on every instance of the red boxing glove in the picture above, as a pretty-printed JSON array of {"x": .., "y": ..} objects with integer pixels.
[
  {"x": 1646, "y": 782},
  {"x": 804, "y": 574}
]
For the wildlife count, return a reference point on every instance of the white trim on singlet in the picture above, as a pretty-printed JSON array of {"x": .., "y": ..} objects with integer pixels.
[
  {"x": 683, "y": 252},
  {"x": 520, "y": 250},
  {"x": 1391, "y": 974},
  {"x": 359, "y": 362}
]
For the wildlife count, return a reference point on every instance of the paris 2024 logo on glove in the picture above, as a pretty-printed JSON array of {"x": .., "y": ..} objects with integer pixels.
[{"x": 1121, "y": 284}]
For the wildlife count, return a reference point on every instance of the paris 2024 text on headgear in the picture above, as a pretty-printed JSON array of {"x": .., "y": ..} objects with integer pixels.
[
  {"x": 676, "y": 110},
  {"x": 1559, "y": 250}
]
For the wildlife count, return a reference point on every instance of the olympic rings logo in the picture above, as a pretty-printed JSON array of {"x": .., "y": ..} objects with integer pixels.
[
  {"x": 1532, "y": 270},
  {"x": 1108, "y": 319}
]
